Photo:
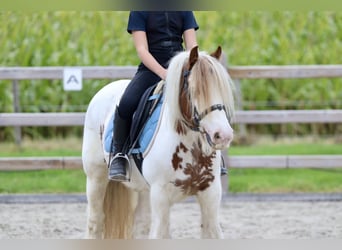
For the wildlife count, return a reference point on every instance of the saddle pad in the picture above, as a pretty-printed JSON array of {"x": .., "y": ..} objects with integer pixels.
[{"x": 146, "y": 135}]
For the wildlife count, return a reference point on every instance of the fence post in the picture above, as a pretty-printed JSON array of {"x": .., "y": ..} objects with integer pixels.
[
  {"x": 16, "y": 105},
  {"x": 239, "y": 106},
  {"x": 224, "y": 153}
]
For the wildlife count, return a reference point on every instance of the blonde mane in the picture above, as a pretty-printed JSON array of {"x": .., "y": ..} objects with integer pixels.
[{"x": 209, "y": 83}]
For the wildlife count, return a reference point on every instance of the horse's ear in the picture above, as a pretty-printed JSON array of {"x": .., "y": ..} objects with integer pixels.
[
  {"x": 193, "y": 57},
  {"x": 217, "y": 54}
]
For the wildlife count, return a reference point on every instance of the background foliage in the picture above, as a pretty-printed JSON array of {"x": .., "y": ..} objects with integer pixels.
[{"x": 100, "y": 38}]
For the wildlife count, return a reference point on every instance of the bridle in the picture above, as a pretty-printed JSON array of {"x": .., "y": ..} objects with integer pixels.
[{"x": 194, "y": 122}]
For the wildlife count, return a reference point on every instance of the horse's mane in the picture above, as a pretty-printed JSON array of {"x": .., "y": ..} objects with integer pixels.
[{"x": 209, "y": 82}]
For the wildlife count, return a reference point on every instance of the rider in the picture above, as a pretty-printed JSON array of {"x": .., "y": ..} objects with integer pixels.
[{"x": 157, "y": 37}]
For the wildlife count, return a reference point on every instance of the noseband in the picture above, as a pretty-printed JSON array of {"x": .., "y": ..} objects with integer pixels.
[{"x": 194, "y": 123}]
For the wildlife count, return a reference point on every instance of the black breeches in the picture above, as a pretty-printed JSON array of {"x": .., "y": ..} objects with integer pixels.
[{"x": 142, "y": 80}]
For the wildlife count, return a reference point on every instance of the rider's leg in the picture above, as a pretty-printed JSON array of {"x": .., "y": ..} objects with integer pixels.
[
  {"x": 117, "y": 167},
  {"x": 122, "y": 120}
]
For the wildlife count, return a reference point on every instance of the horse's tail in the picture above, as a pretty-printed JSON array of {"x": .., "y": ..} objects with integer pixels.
[{"x": 119, "y": 207}]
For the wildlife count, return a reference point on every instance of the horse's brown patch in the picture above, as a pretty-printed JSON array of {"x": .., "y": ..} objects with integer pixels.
[
  {"x": 185, "y": 100},
  {"x": 199, "y": 170},
  {"x": 176, "y": 159},
  {"x": 185, "y": 106}
]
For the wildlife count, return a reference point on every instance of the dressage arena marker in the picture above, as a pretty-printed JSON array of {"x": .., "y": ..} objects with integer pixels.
[{"x": 72, "y": 79}]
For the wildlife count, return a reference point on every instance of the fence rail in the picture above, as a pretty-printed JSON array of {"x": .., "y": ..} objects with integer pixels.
[
  {"x": 116, "y": 72},
  {"x": 275, "y": 161},
  {"x": 55, "y": 73},
  {"x": 242, "y": 117}
]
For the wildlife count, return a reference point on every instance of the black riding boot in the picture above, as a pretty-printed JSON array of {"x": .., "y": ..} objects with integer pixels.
[
  {"x": 223, "y": 167},
  {"x": 117, "y": 167}
]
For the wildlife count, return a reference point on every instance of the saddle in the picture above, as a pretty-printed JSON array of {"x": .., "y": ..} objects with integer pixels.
[
  {"x": 144, "y": 123},
  {"x": 146, "y": 107}
]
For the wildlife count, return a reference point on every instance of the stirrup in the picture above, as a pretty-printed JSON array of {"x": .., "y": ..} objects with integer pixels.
[
  {"x": 223, "y": 171},
  {"x": 120, "y": 177}
]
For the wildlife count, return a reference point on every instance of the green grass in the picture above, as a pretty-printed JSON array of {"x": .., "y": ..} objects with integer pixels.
[
  {"x": 285, "y": 180},
  {"x": 53, "y": 147},
  {"x": 240, "y": 180},
  {"x": 44, "y": 181}
]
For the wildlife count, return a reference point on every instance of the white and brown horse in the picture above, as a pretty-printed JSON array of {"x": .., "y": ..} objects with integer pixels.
[{"x": 183, "y": 159}]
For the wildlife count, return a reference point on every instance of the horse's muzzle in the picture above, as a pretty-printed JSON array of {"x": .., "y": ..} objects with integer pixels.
[{"x": 220, "y": 139}]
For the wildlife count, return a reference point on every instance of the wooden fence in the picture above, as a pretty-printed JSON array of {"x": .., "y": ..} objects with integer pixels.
[{"x": 242, "y": 117}]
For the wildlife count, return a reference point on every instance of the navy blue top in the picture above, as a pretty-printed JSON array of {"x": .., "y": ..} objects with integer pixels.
[{"x": 164, "y": 30}]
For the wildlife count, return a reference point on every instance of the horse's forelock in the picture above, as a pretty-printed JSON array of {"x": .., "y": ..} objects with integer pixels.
[{"x": 210, "y": 83}]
